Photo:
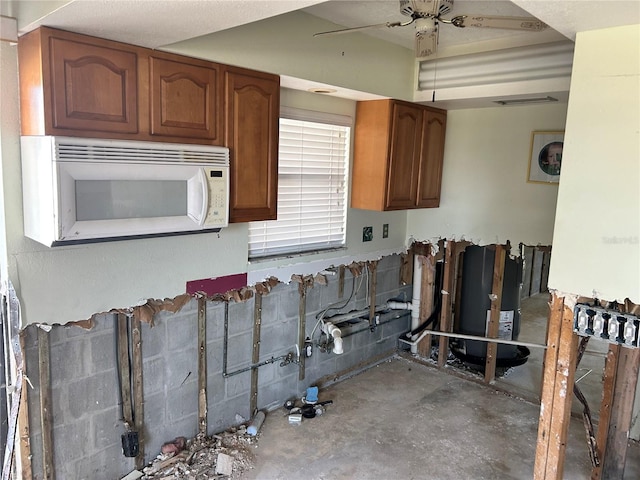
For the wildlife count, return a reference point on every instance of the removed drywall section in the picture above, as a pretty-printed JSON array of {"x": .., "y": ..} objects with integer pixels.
[
  {"x": 485, "y": 195},
  {"x": 596, "y": 243},
  {"x": 87, "y": 423}
]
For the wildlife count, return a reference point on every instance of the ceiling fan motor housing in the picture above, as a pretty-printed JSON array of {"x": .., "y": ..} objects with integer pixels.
[{"x": 411, "y": 8}]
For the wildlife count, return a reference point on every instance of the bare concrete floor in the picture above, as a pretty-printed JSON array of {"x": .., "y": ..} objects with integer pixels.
[
  {"x": 406, "y": 420},
  {"x": 402, "y": 419}
]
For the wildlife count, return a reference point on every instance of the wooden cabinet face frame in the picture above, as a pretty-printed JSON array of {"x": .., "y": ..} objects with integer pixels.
[
  {"x": 430, "y": 175},
  {"x": 252, "y": 123},
  {"x": 185, "y": 99},
  {"x": 399, "y": 148},
  {"x": 404, "y": 157},
  {"x": 93, "y": 87}
]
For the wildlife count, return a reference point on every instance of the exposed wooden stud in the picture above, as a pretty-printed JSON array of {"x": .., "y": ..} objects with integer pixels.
[
  {"x": 125, "y": 369},
  {"x": 458, "y": 296},
  {"x": 341, "y": 281},
  {"x": 302, "y": 327},
  {"x": 615, "y": 453},
  {"x": 494, "y": 317},
  {"x": 23, "y": 423},
  {"x": 548, "y": 386},
  {"x": 138, "y": 394},
  {"x": 426, "y": 300},
  {"x": 604, "y": 418},
  {"x": 406, "y": 267},
  {"x": 563, "y": 396},
  {"x": 555, "y": 407},
  {"x": 202, "y": 365},
  {"x": 373, "y": 283},
  {"x": 533, "y": 261},
  {"x": 255, "y": 356},
  {"x": 46, "y": 420},
  {"x": 445, "y": 312},
  {"x": 544, "y": 275}
]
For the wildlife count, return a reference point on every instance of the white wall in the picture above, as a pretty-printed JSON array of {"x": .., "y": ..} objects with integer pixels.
[
  {"x": 596, "y": 243},
  {"x": 72, "y": 283},
  {"x": 356, "y": 219},
  {"x": 285, "y": 45},
  {"x": 485, "y": 195}
]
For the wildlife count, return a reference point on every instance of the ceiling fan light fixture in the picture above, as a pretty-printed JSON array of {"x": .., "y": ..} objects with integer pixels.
[
  {"x": 527, "y": 101},
  {"x": 424, "y": 26}
]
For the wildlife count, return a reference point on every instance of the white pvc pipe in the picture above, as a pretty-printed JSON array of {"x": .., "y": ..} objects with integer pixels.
[
  {"x": 395, "y": 305},
  {"x": 416, "y": 339},
  {"x": 336, "y": 333}
]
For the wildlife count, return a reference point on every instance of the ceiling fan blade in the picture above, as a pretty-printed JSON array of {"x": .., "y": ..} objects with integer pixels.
[
  {"x": 493, "y": 21},
  {"x": 426, "y": 43},
  {"x": 426, "y": 7},
  {"x": 365, "y": 27}
]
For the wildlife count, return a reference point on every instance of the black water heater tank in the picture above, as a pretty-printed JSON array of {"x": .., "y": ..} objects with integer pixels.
[{"x": 475, "y": 302}]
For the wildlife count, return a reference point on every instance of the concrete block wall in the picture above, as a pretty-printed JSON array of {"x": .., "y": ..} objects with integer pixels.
[{"x": 87, "y": 421}]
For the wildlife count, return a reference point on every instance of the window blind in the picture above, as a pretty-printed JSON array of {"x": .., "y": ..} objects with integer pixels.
[{"x": 312, "y": 179}]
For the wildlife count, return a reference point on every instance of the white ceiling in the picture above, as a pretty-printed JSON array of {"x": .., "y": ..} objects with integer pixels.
[
  {"x": 564, "y": 16},
  {"x": 371, "y": 12},
  {"x": 148, "y": 23},
  {"x": 155, "y": 23}
]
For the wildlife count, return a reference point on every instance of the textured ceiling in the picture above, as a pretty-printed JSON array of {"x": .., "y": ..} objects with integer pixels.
[
  {"x": 151, "y": 23},
  {"x": 571, "y": 16},
  {"x": 358, "y": 13},
  {"x": 155, "y": 23}
]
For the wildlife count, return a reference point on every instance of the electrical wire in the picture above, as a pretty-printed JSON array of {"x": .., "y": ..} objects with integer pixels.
[{"x": 320, "y": 316}]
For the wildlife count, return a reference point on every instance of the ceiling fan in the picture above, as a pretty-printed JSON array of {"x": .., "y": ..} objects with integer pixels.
[{"x": 426, "y": 15}]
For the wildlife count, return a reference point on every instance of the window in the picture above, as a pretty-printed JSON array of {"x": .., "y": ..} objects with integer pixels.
[{"x": 312, "y": 177}]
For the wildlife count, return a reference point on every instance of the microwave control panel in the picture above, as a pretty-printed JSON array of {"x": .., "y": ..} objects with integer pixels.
[{"x": 217, "y": 209}]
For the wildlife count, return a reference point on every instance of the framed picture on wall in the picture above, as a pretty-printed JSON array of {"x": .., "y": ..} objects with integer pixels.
[{"x": 545, "y": 157}]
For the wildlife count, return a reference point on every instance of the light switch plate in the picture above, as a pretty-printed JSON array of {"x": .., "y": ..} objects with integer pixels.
[{"x": 385, "y": 230}]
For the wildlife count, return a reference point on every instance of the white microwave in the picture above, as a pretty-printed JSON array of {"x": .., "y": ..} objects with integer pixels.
[{"x": 79, "y": 190}]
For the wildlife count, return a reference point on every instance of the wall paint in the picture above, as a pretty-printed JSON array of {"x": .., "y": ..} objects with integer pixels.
[
  {"x": 285, "y": 45},
  {"x": 596, "y": 243},
  {"x": 9, "y": 167},
  {"x": 356, "y": 219},
  {"x": 485, "y": 195},
  {"x": 72, "y": 283}
]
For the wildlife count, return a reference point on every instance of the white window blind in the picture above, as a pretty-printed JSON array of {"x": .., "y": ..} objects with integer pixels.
[{"x": 312, "y": 177}]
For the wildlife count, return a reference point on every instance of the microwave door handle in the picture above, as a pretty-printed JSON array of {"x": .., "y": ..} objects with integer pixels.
[
  {"x": 205, "y": 195},
  {"x": 198, "y": 191}
]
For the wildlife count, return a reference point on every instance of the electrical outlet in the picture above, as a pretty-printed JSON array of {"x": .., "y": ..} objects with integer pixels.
[
  {"x": 367, "y": 234},
  {"x": 385, "y": 230}
]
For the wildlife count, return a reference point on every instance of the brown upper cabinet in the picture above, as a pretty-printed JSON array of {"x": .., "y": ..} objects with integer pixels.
[
  {"x": 72, "y": 84},
  {"x": 186, "y": 98},
  {"x": 252, "y": 103},
  {"x": 84, "y": 86},
  {"x": 397, "y": 161}
]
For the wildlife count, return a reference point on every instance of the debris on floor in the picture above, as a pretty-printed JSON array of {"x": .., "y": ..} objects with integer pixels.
[{"x": 226, "y": 455}]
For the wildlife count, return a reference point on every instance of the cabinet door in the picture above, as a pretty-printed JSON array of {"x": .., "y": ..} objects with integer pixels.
[
  {"x": 185, "y": 100},
  {"x": 252, "y": 114},
  {"x": 430, "y": 175},
  {"x": 93, "y": 87},
  {"x": 406, "y": 133}
]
